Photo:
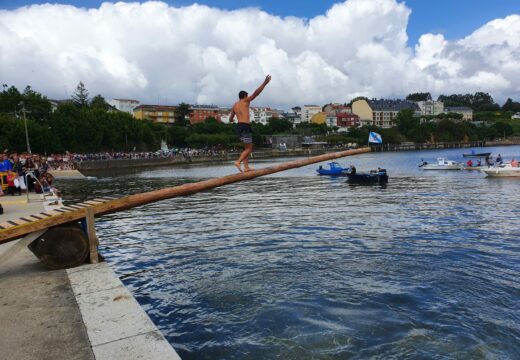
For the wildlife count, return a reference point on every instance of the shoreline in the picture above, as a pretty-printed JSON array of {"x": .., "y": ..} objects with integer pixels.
[{"x": 92, "y": 166}]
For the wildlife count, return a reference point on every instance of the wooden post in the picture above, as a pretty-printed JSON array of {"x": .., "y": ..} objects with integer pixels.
[{"x": 92, "y": 237}]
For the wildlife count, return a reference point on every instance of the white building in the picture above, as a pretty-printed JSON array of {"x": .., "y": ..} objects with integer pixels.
[
  {"x": 262, "y": 115},
  {"x": 125, "y": 105},
  {"x": 430, "y": 107},
  {"x": 331, "y": 120},
  {"x": 309, "y": 111},
  {"x": 516, "y": 116}
]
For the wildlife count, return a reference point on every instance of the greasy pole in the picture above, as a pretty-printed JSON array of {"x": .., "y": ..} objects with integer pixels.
[
  {"x": 192, "y": 188},
  {"x": 140, "y": 199}
]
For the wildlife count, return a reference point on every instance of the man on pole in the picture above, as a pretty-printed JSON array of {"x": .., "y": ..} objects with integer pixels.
[{"x": 241, "y": 110}]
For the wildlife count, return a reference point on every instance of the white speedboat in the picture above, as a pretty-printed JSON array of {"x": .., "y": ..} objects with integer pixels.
[
  {"x": 504, "y": 170},
  {"x": 443, "y": 164}
]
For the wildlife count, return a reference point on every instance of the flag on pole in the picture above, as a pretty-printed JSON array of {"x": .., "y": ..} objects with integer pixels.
[{"x": 375, "y": 138}]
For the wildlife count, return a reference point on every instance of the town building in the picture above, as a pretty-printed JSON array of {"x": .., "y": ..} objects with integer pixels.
[
  {"x": 293, "y": 117},
  {"x": 381, "y": 113},
  {"x": 337, "y": 108},
  {"x": 262, "y": 114},
  {"x": 342, "y": 120},
  {"x": 346, "y": 121},
  {"x": 429, "y": 108},
  {"x": 331, "y": 120},
  {"x": 516, "y": 116},
  {"x": 319, "y": 118},
  {"x": 164, "y": 114},
  {"x": 466, "y": 112},
  {"x": 297, "y": 110},
  {"x": 125, "y": 105},
  {"x": 309, "y": 111},
  {"x": 199, "y": 113}
]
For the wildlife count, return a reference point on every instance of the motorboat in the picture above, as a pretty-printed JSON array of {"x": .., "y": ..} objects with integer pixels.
[
  {"x": 503, "y": 170},
  {"x": 334, "y": 169},
  {"x": 378, "y": 176},
  {"x": 442, "y": 164},
  {"x": 476, "y": 155}
]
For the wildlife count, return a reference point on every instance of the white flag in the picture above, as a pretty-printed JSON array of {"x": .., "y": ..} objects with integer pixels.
[{"x": 375, "y": 138}]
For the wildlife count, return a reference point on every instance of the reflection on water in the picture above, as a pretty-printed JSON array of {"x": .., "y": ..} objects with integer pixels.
[{"x": 297, "y": 266}]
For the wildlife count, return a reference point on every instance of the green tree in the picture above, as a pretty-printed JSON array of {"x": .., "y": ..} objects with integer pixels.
[
  {"x": 279, "y": 125},
  {"x": 482, "y": 101},
  {"x": 408, "y": 124},
  {"x": 503, "y": 129},
  {"x": 182, "y": 114},
  {"x": 98, "y": 102},
  {"x": 358, "y": 98},
  {"x": 38, "y": 106},
  {"x": 419, "y": 96},
  {"x": 10, "y": 99},
  {"x": 80, "y": 96},
  {"x": 511, "y": 106}
]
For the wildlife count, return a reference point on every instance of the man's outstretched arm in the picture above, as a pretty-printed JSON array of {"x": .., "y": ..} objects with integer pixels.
[{"x": 260, "y": 88}]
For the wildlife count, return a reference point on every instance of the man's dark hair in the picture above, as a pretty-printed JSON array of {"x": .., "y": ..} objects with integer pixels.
[{"x": 242, "y": 94}]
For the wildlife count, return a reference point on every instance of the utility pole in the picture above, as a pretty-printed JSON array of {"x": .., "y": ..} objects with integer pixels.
[{"x": 26, "y": 131}]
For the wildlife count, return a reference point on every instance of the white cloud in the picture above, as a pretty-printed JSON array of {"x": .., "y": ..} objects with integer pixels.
[{"x": 199, "y": 54}]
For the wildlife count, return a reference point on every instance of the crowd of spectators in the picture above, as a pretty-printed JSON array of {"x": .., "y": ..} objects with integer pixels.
[
  {"x": 69, "y": 160},
  {"x": 22, "y": 173},
  {"x": 14, "y": 167}
]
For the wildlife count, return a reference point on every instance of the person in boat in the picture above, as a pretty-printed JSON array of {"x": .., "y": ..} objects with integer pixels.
[
  {"x": 514, "y": 163},
  {"x": 499, "y": 159},
  {"x": 469, "y": 163},
  {"x": 423, "y": 163},
  {"x": 241, "y": 110},
  {"x": 479, "y": 163},
  {"x": 352, "y": 169}
]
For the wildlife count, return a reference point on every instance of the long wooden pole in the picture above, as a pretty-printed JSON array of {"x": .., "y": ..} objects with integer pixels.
[{"x": 131, "y": 201}]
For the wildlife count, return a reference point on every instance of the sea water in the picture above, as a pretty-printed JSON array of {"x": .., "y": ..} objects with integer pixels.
[{"x": 297, "y": 266}]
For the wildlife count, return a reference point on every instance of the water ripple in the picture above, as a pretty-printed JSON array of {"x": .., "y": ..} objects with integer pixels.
[{"x": 302, "y": 267}]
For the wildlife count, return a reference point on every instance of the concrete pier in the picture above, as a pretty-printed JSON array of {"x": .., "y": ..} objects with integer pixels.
[{"x": 81, "y": 313}]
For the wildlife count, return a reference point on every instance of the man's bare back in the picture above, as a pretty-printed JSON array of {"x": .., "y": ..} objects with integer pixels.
[{"x": 241, "y": 109}]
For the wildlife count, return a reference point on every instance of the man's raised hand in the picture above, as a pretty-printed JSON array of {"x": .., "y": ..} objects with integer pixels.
[{"x": 267, "y": 79}]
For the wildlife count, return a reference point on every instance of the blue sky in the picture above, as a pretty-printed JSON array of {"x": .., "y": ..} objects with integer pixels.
[{"x": 453, "y": 18}]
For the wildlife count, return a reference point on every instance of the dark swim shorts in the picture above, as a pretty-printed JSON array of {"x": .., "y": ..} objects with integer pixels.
[{"x": 244, "y": 133}]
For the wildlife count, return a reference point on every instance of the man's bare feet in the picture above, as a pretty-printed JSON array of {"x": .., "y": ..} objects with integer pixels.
[
  {"x": 237, "y": 164},
  {"x": 246, "y": 169}
]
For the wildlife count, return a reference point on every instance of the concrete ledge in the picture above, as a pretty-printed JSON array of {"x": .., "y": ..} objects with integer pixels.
[{"x": 117, "y": 326}]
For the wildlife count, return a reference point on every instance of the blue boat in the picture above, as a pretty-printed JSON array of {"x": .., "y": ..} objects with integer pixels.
[
  {"x": 335, "y": 169},
  {"x": 378, "y": 176}
]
